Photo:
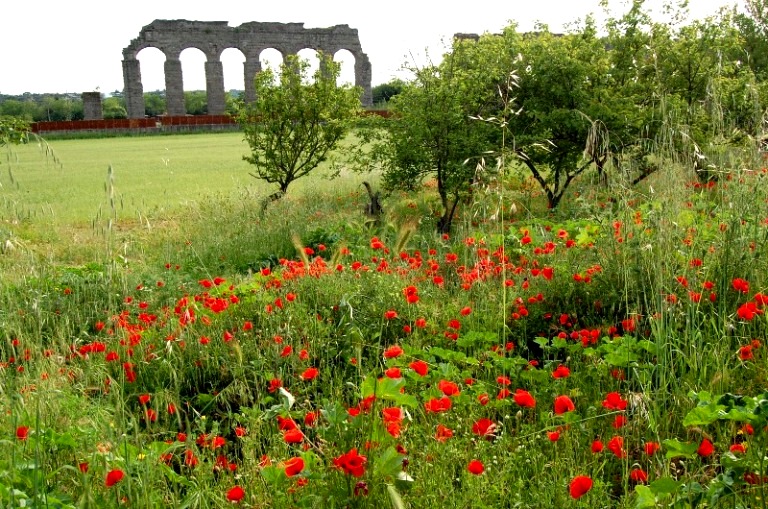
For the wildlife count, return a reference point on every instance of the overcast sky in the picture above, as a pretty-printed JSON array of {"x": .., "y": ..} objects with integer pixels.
[{"x": 76, "y": 45}]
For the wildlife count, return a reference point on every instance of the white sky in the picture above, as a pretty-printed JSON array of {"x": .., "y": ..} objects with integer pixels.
[{"x": 76, "y": 45}]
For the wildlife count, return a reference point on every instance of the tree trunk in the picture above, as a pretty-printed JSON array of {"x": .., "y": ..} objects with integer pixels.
[
  {"x": 271, "y": 198},
  {"x": 374, "y": 208},
  {"x": 446, "y": 221}
]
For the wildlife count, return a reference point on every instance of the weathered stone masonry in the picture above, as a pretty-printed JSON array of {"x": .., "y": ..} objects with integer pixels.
[{"x": 212, "y": 38}]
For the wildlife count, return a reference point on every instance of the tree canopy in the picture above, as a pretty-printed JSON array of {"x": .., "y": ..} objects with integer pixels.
[
  {"x": 613, "y": 99},
  {"x": 293, "y": 124}
]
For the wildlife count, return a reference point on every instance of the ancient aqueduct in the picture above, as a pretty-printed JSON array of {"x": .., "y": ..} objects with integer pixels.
[{"x": 212, "y": 38}]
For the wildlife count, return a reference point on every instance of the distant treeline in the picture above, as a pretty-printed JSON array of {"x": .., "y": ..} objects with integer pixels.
[{"x": 55, "y": 107}]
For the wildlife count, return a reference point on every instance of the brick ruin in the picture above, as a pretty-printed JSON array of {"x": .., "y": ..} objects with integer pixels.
[{"x": 212, "y": 38}]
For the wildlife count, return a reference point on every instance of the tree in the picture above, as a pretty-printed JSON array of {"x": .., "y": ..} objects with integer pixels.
[
  {"x": 386, "y": 91},
  {"x": 196, "y": 102},
  {"x": 114, "y": 107},
  {"x": 293, "y": 125},
  {"x": 13, "y": 131},
  {"x": 154, "y": 103},
  {"x": 433, "y": 133},
  {"x": 754, "y": 30},
  {"x": 17, "y": 108}
]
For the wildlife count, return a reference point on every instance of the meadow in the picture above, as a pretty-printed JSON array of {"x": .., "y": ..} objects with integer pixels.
[{"x": 166, "y": 343}]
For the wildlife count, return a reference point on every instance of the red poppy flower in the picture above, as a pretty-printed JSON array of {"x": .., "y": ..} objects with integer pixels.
[
  {"x": 393, "y": 372},
  {"x": 390, "y": 315},
  {"x": 235, "y": 494},
  {"x": 309, "y": 373},
  {"x": 22, "y": 432},
  {"x": 745, "y": 353},
  {"x": 293, "y": 436},
  {"x": 580, "y": 485},
  {"x": 274, "y": 385},
  {"x": 740, "y": 285},
  {"x": 737, "y": 449},
  {"x": 419, "y": 367},
  {"x": 144, "y": 399},
  {"x": 392, "y": 414},
  {"x": 616, "y": 446},
  {"x": 561, "y": 372},
  {"x": 448, "y": 388},
  {"x": 638, "y": 475},
  {"x": 651, "y": 448},
  {"x": 596, "y": 447},
  {"x": 351, "y": 463},
  {"x": 393, "y": 352},
  {"x": 485, "y": 428},
  {"x": 190, "y": 460},
  {"x": 747, "y": 311},
  {"x": 293, "y": 466},
  {"x": 614, "y": 401},
  {"x": 524, "y": 399},
  {"x": 113, "y": 477},
  {"x": 443, "y": 433},
  {"x": 705, "y": 448},
  {"x": 476, "y": 467},
  {"x": 436, "y": 405},
  {"x": 553, "y": 436},
  {"x": 619, "y": 421},
  {"x": 563, "y": 404},
  {"x": 285, "y": 423},
  {"x": 465, "y": 311}
]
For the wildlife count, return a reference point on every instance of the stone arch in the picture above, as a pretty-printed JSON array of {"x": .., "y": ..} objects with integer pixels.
[
  {"x": 212, "y": 37},
  {"x": 312, "y": 56},
  {"x": 232, "y": 61},
  {"x": 347, "y": 61},
  {"x": 269, "y": 58},
  {"x": 152, "y": 57}
]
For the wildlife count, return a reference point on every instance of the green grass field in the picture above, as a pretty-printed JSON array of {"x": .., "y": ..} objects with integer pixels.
[{"x": 150, "y": 175}]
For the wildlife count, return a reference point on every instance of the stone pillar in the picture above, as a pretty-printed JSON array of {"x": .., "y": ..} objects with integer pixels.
[
  {"x": 92, "y": 106},
  {"x": 251, "y": 67},
  {"x": 214, "y": 85},
  {"x": 133, "y": 91},
  {"x": 363, "y": 78},
  {"x": 174, "y": 88}
]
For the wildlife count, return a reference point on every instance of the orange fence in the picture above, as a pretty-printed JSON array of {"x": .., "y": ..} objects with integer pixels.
[{"x": 147, "y": 123}]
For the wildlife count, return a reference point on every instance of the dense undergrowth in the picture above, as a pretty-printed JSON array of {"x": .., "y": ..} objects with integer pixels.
[{"x": 609, "y": 354}]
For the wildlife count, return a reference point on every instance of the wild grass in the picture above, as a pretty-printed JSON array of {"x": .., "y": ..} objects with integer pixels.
[{"x": 151, "y": 340}]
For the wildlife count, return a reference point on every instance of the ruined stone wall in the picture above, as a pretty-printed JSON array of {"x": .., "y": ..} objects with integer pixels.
[
  {"x": 212, "y": 38},
  {"x": 92, "y": 106}
]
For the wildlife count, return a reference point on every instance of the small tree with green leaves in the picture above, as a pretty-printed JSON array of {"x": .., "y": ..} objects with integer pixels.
[
  {"x": 293, "y": 124},
  {"x": 13, "y": 131},
  {"x": 431, "y": 133}
]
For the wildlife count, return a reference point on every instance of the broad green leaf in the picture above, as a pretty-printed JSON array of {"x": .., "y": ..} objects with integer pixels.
[
  {"x": 676, "y": 449},
  {"x": 274, "y": 475},
  {"x": 388, "y": 463},
  {"x": 645, "y": 497},
  {"x": 703, "y": 415},
  {"x": 665, "y": 486}
]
